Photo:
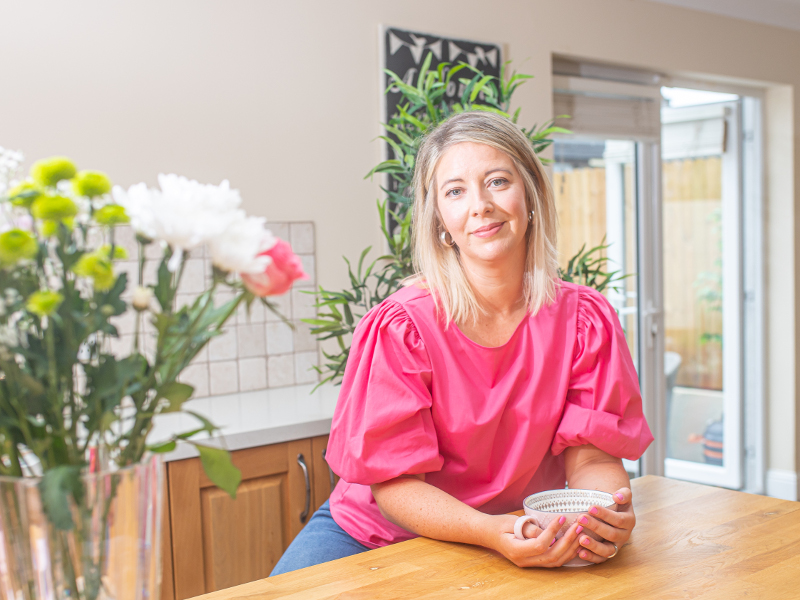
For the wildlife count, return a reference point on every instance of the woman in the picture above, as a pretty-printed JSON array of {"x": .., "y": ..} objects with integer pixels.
[{"x": 485, "y": 380}]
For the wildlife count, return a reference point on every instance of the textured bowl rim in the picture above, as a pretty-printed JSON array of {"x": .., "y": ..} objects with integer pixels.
[{"x": 567, "y": 512}]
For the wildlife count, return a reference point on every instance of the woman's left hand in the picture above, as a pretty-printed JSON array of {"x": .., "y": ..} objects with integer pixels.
[{"x": 615, "y": 527}]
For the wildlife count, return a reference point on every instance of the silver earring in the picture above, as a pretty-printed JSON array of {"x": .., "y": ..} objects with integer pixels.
[
  {"x": 530, "y": 217},
  {"x": 447, "y": 239}
]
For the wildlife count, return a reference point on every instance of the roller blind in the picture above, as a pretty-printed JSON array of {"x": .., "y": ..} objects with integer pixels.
[
  {"x": 693, "y": 132},
  {"x": 610, "y": 102}
]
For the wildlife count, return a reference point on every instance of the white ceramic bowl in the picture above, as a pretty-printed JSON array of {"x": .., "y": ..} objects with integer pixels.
[{"x": 572, "y": 504}]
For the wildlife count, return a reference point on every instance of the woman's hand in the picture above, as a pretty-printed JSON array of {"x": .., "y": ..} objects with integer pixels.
[
  {"x": 543, "y": 550},
  {"x": 615, "y": 527}
]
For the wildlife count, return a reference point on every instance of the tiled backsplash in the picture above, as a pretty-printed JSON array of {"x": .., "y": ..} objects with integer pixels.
[{"x": 257, "y": 351}]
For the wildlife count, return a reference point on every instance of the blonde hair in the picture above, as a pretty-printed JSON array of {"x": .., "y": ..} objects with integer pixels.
[{"x": 439, "y": 267}]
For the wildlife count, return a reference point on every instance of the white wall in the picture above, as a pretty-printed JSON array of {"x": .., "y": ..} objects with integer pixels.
[{"x": 282, "y": 99}]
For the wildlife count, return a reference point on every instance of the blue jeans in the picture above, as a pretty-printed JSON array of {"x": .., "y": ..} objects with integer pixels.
[{"x": 321, "y": 540}]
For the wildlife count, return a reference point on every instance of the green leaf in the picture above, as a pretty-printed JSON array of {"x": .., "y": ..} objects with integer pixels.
[
  {"x": 399, "y": 154},
  {"x": 316, "y": 322},
  {"x": 163, "y": 447},
  {"x": 207, "y": 425},
  {"x": 162, "y": 290},
  {"x": 425, "y": 66},
  {"x": 176, "y": 393},
  {"x": 56, "y": 486},
  {"x": 219, "y": 468},
  {"x": 190, "y": 434},
  {"x": 479, "y": 86},
  {"x": 402, "y": 136}
]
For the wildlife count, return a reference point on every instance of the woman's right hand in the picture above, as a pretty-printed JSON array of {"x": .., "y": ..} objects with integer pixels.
[{"x": 540, "y": 549}]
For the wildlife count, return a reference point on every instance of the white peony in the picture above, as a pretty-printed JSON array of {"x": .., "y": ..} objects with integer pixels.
[
  {"x": 139, "y": 203},
  {"x": 237, "y": 248},
  {"x": 183, "y": 213}
]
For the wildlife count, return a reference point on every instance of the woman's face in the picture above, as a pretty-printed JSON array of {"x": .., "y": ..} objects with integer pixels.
[{"x": 481, "y": 199}]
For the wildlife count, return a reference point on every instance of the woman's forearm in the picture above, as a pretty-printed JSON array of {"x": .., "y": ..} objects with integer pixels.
[
  {"x": 419, "y": 507},
  {"x": 588, "y": 468},
  {"x": 607, "y": 476},
  {"x": 423, "y": 509}
]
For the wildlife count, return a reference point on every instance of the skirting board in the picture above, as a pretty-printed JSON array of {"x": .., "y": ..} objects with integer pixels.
[{"x": 782, "y": 484}]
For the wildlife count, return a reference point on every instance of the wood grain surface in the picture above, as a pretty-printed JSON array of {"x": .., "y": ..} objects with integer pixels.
[{"x": 691, "y": 541}]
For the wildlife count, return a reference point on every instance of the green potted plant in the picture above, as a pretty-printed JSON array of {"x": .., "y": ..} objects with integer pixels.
[
  {"x": 423, "y": 107},
  {"x": 80, "y": 485}
]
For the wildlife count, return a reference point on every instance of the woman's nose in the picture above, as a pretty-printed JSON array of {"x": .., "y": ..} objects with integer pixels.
[{"x": 483, "y": 203}]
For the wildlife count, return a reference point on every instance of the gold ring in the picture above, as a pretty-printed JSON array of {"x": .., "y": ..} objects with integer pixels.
[{"x": 615, "y": 551}]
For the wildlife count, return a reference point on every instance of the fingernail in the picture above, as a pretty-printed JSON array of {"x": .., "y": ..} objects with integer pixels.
[
  {"x": 621, "y": 497},
  {"x": 553, "y": 542},
  {"x": 584, "y": 555},
  {"x": 593, "y": 510},
  {"x": 585, "y": 541},
  {"x": 584, "y": 520},
  {"x": 579, "y": 529},
  {"x": 562, "y": 520}
]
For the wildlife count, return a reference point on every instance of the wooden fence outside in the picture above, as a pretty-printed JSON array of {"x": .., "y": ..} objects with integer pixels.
[{"x": 692, "y": 253}]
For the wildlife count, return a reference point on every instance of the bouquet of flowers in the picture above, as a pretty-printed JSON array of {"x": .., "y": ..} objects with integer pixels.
[{"x": 68, "y": 404}]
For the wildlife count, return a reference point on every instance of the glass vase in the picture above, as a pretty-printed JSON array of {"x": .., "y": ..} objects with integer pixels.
[{"x": 111, "y": 552}]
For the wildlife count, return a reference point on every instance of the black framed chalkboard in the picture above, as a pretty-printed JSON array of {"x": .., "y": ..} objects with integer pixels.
[{"x": 405, "y": 51}]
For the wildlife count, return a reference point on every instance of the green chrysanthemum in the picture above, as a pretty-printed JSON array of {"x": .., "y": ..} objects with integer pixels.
[
  {"x": 119, "y": 252},
  {"x": 53, "y": 208},
  {"x": 50, "y": 171},
  {"x": 24, "y": 194},
  {"x": 17, "y": 245},
  {"x": 91, "y": 183},
  {"x": 110, "y": 215},
  {"x": 96, "y": 267},
  {"x": 44, "y": 303},
  {"x": 48, "y": 228}
]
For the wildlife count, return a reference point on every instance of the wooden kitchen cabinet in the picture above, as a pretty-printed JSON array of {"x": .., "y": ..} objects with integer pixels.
[{"x": 212, "y": 542}]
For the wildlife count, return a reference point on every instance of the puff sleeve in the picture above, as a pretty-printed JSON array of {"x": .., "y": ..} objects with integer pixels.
[
  {"x": 382, "y": 426},
  {"x": 603, "y": 405}
]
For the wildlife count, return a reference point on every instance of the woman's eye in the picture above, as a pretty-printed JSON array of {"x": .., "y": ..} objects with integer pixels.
[
  {"x": 499, "y": 182},
  {"x": 453, "y": 192}
]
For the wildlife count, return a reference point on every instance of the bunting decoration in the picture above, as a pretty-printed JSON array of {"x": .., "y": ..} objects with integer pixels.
[
  {"x": 486, "y": 57},
  {"x": 477, "y": 55}
]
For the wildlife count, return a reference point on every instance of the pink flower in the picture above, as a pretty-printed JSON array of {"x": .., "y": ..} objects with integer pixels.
[{"x": 284, "y": 269}]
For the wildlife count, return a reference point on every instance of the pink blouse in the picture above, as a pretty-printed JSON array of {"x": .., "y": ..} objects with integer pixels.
[{"x": 486, "y": 425}]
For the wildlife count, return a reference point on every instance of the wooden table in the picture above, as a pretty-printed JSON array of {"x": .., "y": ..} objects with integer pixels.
[{"x": 690, "y": 541}]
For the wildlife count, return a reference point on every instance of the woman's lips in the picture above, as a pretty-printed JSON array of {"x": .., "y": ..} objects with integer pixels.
[{"x": 489, "y": 230}]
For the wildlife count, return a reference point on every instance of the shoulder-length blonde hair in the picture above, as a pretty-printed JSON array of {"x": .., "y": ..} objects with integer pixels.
[{"x": 439, "y": 267}]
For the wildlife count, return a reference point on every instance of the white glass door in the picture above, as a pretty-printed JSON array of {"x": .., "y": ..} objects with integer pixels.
[{"x": 702, "y": 292}]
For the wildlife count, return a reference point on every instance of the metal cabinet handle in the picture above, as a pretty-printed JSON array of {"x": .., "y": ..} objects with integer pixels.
[
  {"x": 330, "y": 471},
  {"x": 302, "y": 462}
]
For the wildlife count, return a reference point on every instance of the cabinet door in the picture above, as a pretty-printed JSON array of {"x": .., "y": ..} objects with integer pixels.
[
  {"x": 324, "y": 479},
  {"x": 218, "y": 542}
]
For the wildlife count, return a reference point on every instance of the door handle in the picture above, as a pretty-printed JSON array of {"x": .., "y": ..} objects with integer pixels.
[
  {"x": 302, "y": 462},
  {"x": 330, "y": 471},
  {"x": 651, "y": 330}
]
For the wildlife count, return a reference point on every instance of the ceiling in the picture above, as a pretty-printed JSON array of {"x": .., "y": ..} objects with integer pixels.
[{"x": 779, "y": 13}]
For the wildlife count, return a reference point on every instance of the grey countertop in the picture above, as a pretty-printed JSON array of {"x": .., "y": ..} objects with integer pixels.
[{"x": 252, "y": 419}]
